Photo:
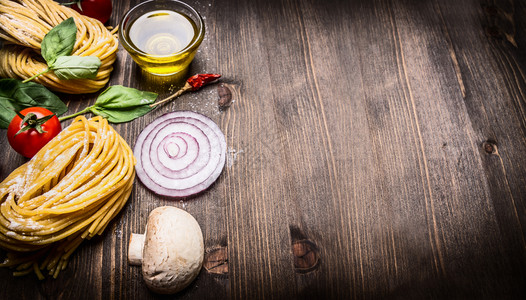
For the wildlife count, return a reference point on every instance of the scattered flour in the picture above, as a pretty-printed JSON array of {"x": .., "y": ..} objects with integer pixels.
[
  {"x": 232, "y": 156},
  {"x": 183, "y": 204}
]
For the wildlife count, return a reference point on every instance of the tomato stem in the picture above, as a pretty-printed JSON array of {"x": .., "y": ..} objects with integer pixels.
[{"x": 33, "y": 122}]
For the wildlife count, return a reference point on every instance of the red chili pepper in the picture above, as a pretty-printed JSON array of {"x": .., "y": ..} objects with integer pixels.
[{"x": 199, "y": 80}]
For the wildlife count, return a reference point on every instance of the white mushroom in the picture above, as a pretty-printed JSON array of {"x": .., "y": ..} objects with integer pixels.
[{"x": 170, "y": 251}]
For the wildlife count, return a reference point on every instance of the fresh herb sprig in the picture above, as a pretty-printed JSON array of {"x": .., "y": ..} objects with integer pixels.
[
  {"x": 56, "y": 49},
  {"x": 119, "y": 104}
]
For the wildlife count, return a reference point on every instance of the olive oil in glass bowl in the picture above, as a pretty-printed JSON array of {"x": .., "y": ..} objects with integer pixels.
[{"x": 162, "y": 36}]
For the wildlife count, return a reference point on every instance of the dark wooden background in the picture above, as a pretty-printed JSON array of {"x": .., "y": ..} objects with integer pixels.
[{"x": 376, "y": 149}]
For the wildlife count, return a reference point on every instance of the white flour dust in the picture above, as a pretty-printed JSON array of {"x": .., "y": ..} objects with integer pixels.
[{"x": 232, "y": 156}]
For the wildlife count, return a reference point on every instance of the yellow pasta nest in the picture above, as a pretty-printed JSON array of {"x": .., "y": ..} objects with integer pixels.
[
  {"x": 69, "y": 191},
  {"x": 24, "y": 23}
]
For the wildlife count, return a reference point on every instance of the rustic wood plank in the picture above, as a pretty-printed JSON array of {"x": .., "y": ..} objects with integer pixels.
[
  {"x": 487, "y": 99},
  {"x": 375, "y": 150}
]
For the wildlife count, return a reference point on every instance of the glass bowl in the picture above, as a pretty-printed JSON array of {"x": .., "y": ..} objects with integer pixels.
[{"x": 162, "y": 36}]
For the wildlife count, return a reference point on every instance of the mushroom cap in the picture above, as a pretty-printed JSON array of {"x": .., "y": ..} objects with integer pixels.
[{"x": 173, "y": 250}]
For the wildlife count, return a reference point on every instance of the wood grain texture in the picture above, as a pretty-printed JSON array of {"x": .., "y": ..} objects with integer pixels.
[{"x": 376, "y": 149}]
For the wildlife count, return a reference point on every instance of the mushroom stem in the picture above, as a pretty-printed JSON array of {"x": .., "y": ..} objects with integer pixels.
[{"x": 135, "y": 249}]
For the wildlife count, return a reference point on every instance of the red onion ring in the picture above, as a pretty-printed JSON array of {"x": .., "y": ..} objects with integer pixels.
[{"x": 180, "y": 154}]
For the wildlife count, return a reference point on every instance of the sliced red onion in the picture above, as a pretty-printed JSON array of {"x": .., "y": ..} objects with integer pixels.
[{"x": 180, "y": 154}]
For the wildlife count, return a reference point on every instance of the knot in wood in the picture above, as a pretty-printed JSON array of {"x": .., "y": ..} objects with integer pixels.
[
  {"x": 216, "y": 261},
  {"x": 225, "y": 96},
  {"x": 489, "y": 147},
  {"x": 491, "y": 10},
  {"x": 494, "y": 32},
  {"x": 306, "y": 257}
]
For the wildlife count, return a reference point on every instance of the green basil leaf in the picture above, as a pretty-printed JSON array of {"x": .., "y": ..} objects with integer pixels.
[
  {"x": 6, "y": 113},
  {"x": 76, "y": 67},
  {"x": 59, "y": 41},
  {"x": 16, "y": 95},
  {"x": 121, "y": 104},
  {"x": 121, "y": 115},
  {"x": 120, "y": 97}
]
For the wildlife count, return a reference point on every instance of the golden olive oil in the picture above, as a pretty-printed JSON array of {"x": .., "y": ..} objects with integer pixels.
[{"x": 167, "y": 40}]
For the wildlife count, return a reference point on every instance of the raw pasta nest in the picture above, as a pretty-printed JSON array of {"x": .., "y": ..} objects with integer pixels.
[
  {"x": 69, "y": 191},
  {"x": 23, "y": 25}
]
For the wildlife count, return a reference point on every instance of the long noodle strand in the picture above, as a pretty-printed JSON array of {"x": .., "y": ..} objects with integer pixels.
[
  {"x": 24, "y": 23},
  {"x": 69, "y": 191}
]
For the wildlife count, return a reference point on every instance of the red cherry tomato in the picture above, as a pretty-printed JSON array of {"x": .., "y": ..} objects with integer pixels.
[
  {"x": 30, "y": 141},
  {"x": 98, "y": 9}
]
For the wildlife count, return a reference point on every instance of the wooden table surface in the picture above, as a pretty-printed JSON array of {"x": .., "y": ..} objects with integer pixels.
[{"x": 376, "y": 149}]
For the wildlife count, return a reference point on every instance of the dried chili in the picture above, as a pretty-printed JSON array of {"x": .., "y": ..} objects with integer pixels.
[
  {"x": 192, "y": 84},
  {"x": 200, "y": 80}
]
